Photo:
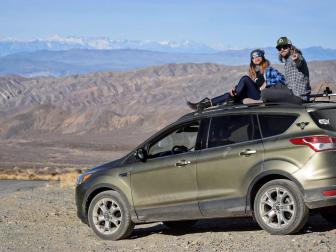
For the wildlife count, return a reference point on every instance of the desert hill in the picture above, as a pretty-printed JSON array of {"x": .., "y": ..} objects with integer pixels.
[
  {"x": 113, "y": 110},
  {"x": 101, "y": 102}
]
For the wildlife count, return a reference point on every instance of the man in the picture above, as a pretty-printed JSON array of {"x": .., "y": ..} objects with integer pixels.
[{"x": 296, "y": 76}]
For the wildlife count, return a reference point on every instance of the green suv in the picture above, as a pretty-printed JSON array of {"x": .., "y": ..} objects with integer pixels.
[{"x": 275, "y": 162}]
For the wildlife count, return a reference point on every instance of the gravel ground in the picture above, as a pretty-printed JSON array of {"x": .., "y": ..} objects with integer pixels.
[{"x": 43, "y": 218}]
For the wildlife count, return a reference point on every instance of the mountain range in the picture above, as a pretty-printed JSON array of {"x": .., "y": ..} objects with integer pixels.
[
  {"x": 59, "y": 56},
  {"x": 103, "y": 103},
  {"x": 92, "y": 118},
  {"x": 59, "y": 43}
]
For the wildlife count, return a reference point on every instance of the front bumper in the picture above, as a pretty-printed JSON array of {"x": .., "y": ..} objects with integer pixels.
[{"x": 81, "y": 211}]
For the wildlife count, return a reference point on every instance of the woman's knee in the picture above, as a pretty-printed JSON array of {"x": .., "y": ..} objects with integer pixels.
[{"x": 245, "y": 78}]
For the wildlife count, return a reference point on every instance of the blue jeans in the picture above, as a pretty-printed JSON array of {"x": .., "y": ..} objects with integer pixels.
[{"x": 246, "y": 88}]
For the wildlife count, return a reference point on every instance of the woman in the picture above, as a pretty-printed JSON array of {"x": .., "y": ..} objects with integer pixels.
[{"x": 260, "y": 75}]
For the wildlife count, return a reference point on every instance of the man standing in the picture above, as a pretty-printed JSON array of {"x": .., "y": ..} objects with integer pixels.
[{"x": 296, "y": 76}]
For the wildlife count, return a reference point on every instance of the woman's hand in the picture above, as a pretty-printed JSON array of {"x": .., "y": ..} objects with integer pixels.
[
  {"x": 263, "y": 86},
  {"x": 232, "y": 92}
]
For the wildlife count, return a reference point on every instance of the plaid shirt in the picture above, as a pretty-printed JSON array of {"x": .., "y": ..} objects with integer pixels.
[
  {"x": 297, "y": 76},
  {"x": 273, "y": 77}
]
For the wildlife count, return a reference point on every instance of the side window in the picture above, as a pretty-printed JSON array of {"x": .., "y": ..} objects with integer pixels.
[
  {"x": 180, "y": 140},
  {"x": 231, "y": 129},
  {"x": 272, "y": 125}
]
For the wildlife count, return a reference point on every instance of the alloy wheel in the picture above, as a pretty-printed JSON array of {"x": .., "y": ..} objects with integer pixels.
[
  {"x": 107, "y": 216},
  {"x": 277, "y": 207}
]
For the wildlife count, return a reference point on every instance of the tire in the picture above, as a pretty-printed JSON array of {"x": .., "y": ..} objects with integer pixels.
[
  {"x": 109, "y": 216},
  {"x": 180, "y": 224},
  {"x": 279, "y": 208},
  {"x": 329, "y": 214}
]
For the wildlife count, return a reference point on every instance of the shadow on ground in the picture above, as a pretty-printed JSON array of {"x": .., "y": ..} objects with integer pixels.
[{"x": 315, "y": 224}]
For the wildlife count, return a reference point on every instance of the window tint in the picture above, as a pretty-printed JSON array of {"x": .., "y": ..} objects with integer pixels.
[
  {"x": 232, "y": 129},
  {"x": 325, "y": 119},
  {"x": 181, "y": 140},
  {"x": 272, "y": 125}
]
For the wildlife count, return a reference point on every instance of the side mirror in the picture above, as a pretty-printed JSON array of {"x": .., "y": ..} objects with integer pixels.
[{"x": 141, "y": 154}]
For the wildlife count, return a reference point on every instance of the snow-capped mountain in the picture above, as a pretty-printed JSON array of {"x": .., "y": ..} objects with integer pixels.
[
  {"x": 59, "y": 56},
  {"x": 57, "y": 43}
]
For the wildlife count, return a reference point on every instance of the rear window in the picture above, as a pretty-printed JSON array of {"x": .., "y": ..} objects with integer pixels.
[
  {"x": 325, "y": 118},
  {"x": 272, "y": 125}
]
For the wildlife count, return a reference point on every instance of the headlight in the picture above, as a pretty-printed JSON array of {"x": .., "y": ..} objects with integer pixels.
[{"x": 83, "y": 177}]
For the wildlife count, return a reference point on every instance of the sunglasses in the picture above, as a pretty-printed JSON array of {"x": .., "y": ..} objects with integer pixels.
[
  {"x": 257, "y": 55},
  {"x": 282, "y": 47}
]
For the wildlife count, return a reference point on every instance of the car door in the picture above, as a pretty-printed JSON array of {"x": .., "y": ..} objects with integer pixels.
[
  {"x": 164, "y": 187},
  {"x": 233, "y": 151}
]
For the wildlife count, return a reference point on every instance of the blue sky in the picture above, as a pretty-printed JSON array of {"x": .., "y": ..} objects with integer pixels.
[{"x": 233, "y": 24}]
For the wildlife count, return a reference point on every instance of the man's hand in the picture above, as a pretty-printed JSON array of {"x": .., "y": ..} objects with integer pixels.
[{"x": 295, "y": 56}]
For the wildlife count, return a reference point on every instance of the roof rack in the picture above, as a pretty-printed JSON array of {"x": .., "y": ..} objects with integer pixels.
[
  {"x": 326, "y": 93},
  {"x": 242, "y": 105}
]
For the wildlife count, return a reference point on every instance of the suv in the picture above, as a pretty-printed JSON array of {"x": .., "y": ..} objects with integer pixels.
[{"x": 275, "y": 162}]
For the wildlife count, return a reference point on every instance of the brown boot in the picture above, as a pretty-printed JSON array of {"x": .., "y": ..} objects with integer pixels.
[{"x": 203, "y": 104}]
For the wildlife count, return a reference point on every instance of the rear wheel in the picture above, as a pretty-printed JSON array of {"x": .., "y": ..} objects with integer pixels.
[
  {"x": 279, "y": 207},
  {"x": 329, "y": 214},
  {"x": 180, "y": 224},
  {"x": 109, "y": 216}
]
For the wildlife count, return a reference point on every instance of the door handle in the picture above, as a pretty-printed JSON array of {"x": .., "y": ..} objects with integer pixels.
[
  {"x": 182, "y": 163},
  {"x": 247, "y": 152}
]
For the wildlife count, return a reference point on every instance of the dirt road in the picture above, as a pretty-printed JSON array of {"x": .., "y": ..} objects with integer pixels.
[{"x": 42, "y": 217}]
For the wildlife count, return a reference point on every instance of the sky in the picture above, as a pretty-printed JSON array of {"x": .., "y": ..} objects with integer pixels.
[{"x": 228, "y": 24}]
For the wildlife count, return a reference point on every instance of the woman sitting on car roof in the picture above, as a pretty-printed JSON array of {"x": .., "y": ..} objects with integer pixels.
[{"x": 260, "y": 75}]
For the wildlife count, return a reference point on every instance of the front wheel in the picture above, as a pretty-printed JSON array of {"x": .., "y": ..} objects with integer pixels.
[
  {"x": 279, "y": 207},
  {"x": 109, "y": 216}
]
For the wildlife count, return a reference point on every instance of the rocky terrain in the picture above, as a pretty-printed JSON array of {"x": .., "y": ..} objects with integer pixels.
[
  {"x": 42, "y": 217},
  {"x": 81, "y": 120}
]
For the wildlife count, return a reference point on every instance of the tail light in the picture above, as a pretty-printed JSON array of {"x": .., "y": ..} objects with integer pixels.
[
  {"x": 330, "y": 193},
  {"x": 316, "y": 143}
]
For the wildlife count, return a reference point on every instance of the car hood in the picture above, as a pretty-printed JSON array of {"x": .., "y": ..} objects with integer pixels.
[{"x": 110, "y": 165}]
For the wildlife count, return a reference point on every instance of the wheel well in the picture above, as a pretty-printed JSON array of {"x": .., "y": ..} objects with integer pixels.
[
  {"x": 92, "y": 195},
  {"x": 260, "y": 183}
]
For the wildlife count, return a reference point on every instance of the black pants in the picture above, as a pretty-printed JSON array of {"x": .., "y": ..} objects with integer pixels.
[
  {"x": 246, "y": 88},
  {"x": 279, "y": 93}
]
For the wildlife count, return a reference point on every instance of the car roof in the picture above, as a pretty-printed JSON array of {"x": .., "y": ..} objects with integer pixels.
[
  {"x": 257, "y": 107},
  {"x": 320, "y": 105}
]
